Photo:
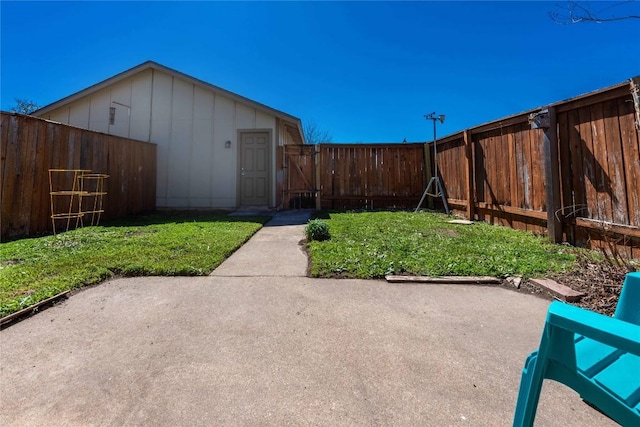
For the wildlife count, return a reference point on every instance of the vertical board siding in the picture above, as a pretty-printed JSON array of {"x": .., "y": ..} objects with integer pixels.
[
  {"x": 299, "y": 187},
  {"x": 451, "y": 167},
  {"x": 599, "y": 169},
  {"x": 32, "y": 146},
  {"x": 630, "y": 142},
  {"x": 371, "y": 176}
]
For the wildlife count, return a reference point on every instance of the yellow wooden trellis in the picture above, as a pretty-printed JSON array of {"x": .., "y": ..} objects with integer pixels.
[{"x": 83, "y": 199}]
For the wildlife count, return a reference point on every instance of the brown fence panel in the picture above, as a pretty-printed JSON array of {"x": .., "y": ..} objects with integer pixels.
[
  {"x": 31, "y": 146},
  {"x": 300, "y": 186},
  {"x": 598, "y": 163},
  {"x": 504, "y": 168},
  {"x": 452, "y": 167},
  {"x": 496, "y": 172},
  {"x": 599, "y": 151},
  {"x": 372, "y": 176}
]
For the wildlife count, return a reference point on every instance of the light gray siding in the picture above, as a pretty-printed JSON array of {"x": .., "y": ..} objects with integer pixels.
[{"x": 190, "y": 123}]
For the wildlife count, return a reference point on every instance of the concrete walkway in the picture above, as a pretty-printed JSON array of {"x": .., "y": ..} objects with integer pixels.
[
  {"x": 277, "y": 349},
  {"x": 274, "y": 251}
]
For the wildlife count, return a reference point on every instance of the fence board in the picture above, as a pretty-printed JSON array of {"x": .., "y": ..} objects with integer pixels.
[
  {"x": 28, "y": 174},
  {"x": 617, "y": 188},
  {"x": 299, "y": 184},
  {"x": 603, "y": 181},
  {"x": 371, "y": 176},
  {"x": 31, "y": 146},
  {"x": 599, "y": 168},
  {"x": 10, "y": 162},
  {"x": 630, "y": 141},
  {"x": 40, "y": 211}
]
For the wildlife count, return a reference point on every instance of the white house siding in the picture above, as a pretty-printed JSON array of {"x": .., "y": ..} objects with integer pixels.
[
  {"x": 141, "y": 95},
  {"x": 225, "y": 161},
  {"x": 60, "y": 115},
  {"x": 202, "y": 153},
  {"x": 79, "y": 114},
  {"x": 189, "y": 123},
  {"x": 162, "y": 90},
  {"x": 283, "y": 136},
  {"x": 99, "y": 107}
]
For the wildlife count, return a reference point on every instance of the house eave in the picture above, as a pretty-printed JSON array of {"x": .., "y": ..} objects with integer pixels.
[{"x": 295, "y": 121}]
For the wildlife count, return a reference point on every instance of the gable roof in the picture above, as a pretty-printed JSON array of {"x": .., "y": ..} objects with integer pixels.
[{"x": 293, "y": 127}]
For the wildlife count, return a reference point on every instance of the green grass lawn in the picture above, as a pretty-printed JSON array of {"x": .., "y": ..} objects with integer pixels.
[
  {"x": 373, "y": 244},
  {"x": 176, "y": 244}
]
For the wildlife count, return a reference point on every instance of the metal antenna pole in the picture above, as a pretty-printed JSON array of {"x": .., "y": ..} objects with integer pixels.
[
  {"x": 435, "y": 179},
  {"x": 435, "y": 149}
]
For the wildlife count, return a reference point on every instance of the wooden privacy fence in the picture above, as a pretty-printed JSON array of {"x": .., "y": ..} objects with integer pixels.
[
  {"x": 577, "y": 177},
  {"x": 371, "y": 176},
  {"x": 352, "y": 176},
  {"x": 300, "y": 186},
  {"x": 31, "y": 146}
]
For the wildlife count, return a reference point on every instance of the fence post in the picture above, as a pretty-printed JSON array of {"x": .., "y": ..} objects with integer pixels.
[
  {"x": 468, "y": 149},
  {"x": 316, "y": 149},
  {"x": 552, "y": 176},
  {"x": 428, "y": 172}
]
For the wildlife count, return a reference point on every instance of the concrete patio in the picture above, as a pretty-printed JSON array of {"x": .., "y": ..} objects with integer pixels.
[{"x": 268, "y": 346}]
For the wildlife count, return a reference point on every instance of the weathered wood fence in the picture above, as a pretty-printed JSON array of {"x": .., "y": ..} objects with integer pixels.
[
  {"x": 31, "y": 146},
  {"x": 354, "y": 176},
  {"x": 371, "y": 176},
  {"x": 584, "y": 186},
  {"x": 298, "y": 186},
  {"x": 581, "y": 176}
]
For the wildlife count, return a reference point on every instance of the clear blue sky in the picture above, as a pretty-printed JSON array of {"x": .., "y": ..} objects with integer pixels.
[{"x": 364, "y": 71}]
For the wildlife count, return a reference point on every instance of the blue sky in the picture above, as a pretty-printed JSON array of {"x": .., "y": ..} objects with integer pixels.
[{"x": 364, "y": 71}]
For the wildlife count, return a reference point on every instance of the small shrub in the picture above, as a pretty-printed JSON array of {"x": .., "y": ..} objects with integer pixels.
[{"x": 317, "y": 230}]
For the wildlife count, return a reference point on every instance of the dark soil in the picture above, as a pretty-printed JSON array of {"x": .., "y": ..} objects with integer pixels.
[{"x": 601, "y": 281}]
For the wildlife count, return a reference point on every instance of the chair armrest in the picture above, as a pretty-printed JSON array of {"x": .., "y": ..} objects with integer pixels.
[{"x": 607, "y": 330}]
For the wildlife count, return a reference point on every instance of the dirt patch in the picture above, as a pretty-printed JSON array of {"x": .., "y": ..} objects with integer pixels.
[{"x": 601, "y": 282}]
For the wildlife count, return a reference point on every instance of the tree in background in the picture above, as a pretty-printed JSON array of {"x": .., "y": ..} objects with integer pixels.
[
  {"x": 24, "y": 106},
  {"x": 574, "y": 12},
  {"x": 313, "y": 134}
]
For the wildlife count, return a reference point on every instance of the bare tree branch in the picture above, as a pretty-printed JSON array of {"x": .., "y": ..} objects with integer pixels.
[
  {"x": 313, "y": 134},
  {"x": 24, "y": 106},
  {"x": 574, "y": 12}
]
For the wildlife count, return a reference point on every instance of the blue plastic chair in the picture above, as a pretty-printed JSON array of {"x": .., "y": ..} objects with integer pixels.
[{"x": 595, "y": 355}]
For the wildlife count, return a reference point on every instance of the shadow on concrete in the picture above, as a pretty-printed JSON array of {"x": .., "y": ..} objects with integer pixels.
[{"x": 292, "y": 217}]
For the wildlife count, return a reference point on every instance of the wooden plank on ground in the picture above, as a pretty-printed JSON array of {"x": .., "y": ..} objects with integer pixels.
[
  {"x": 33, "y": 308},
  {"x": 562, "y": 292},
  {"x": 444, "y": 279}
]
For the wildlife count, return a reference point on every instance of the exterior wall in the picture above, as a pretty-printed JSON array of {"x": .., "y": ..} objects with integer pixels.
[
  {"x": 283, "y": 136},
  {"x": 190, "y": 125}
]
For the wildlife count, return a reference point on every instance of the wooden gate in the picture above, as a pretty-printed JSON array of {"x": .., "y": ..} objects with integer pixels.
[{"x": 301, "y": 188}]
